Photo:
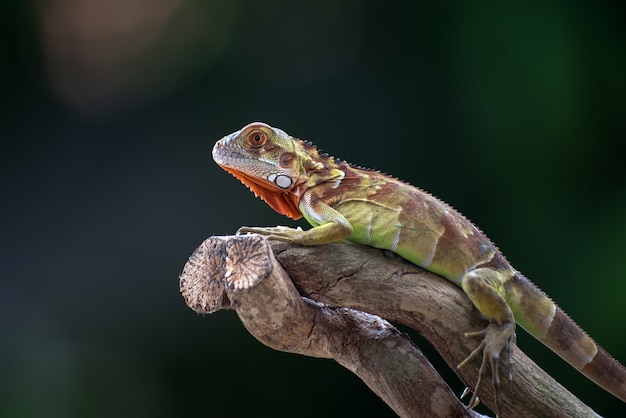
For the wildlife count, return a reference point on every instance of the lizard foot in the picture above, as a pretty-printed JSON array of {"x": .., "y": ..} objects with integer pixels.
[
  {"x": 280, "y": 233},
  {"x": 495, "y": 338}
]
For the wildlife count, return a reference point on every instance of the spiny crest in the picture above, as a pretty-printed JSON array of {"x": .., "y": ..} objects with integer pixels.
[{"x": 312, "y": 150}]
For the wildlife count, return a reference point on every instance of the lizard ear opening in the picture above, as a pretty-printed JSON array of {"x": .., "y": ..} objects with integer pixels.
[{"x": 279, "y": 200}]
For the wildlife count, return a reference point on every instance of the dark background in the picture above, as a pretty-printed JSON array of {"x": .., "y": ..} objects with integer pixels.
[{"x": 512, "y": 113}]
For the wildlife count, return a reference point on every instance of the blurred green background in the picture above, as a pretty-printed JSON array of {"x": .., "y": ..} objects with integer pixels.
[{"x": 513, "y": 113}]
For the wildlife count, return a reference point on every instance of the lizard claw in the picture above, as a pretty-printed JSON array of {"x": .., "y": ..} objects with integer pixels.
[
  {"x": 495, "y": 338},
  {"x": 466, "y": 392}
]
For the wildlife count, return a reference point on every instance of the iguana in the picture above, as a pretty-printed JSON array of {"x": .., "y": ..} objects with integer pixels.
[{"x": 344, "y": 201}]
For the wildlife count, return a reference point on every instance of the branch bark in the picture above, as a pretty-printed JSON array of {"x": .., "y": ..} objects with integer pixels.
[{"x": 328, "y": 301}]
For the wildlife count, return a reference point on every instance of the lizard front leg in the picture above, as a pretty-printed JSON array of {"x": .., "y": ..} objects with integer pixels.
[
  {"x": 331, "y": 226},
  {"x": 481, "y": 285}
]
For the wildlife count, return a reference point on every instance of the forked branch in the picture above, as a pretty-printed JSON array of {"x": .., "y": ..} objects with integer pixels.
[{"x": 328, "y": 301}]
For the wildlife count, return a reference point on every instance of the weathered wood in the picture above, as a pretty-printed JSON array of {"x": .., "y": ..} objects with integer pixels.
[
  {"x": 241, "y": 273},
  {"x": 351, "y": 287}
]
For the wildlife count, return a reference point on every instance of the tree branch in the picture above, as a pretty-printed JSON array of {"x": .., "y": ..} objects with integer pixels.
[{"x": 351, "y": 287}]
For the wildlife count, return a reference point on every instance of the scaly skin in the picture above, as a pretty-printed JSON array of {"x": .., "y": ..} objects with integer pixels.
[{"x": 342, "y": 201}]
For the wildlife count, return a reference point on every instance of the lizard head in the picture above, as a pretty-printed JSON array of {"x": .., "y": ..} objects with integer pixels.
[{"x": 274, "y": 165}]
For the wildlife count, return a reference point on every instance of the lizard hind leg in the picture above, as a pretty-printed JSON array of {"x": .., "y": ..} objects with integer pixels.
[{"x": 481, "y": 286}]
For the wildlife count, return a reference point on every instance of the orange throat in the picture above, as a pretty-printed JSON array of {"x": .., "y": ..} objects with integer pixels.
[{"x": 282, "y": 201}]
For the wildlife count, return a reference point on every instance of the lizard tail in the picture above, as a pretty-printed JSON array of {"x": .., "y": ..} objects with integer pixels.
[
  {"x": 542, "y": 318},
  {"x": 590, "y": 359}
]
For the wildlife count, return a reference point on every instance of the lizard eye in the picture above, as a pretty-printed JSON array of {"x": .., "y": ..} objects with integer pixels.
[{"x": 257, "y": 139}]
